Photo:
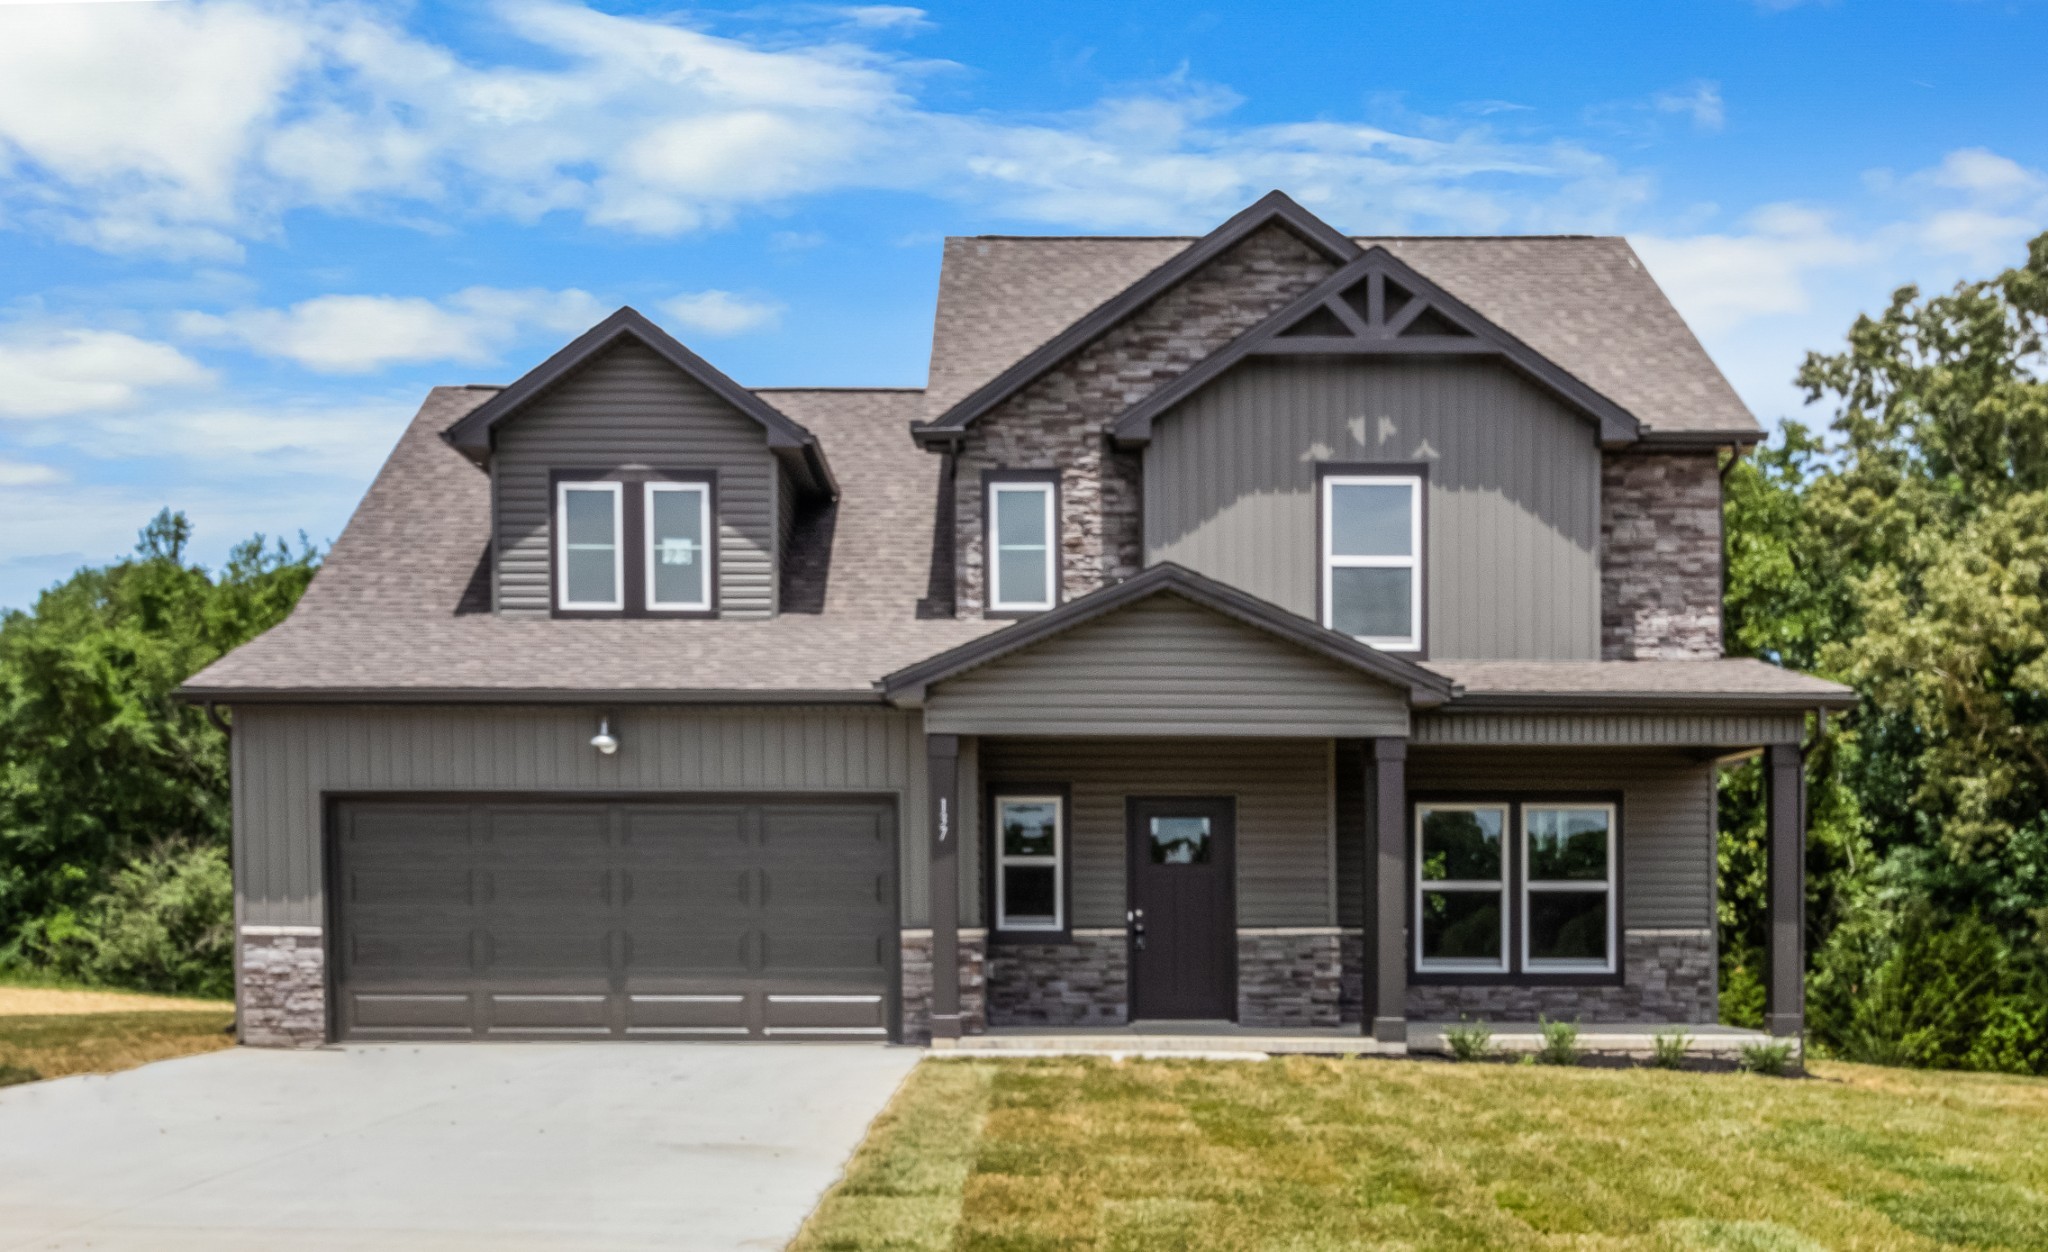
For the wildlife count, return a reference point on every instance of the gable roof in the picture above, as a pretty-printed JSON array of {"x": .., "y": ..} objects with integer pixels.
[
  {"x": 1425, "y": 688},
  {"x": 1585, "y": 302},
  {"x": 1273, "y": 208},
  {"x": 790, "y": 441},
  {"x": 1379, "y": 306}
]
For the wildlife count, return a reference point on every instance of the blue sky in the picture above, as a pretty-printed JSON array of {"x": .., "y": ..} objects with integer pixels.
[{"x": 238, "y": 241}]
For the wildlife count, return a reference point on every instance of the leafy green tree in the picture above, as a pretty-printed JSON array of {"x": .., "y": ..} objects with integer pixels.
[{"x": 98, "y": 763}]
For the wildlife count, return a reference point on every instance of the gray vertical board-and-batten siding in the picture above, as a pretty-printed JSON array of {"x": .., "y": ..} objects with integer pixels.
[
  {"x": 287, "y": 759},
  {"x": 1165, "y": 666},
  {"x": 631, "y": 409},
  {"x": 1668, "y": 818},
  {"x": 1512, "y": 561},
  {"x": 1283, "y": 813}
]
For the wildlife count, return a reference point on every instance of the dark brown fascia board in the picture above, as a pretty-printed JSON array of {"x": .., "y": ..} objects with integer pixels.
[
  {"x": 1425, "y": 687},
  {"x": 471, "y": 435},
  {"x": 1649, "y": 701},
  {"x": 1617, "y": 425},
  {"x": 1699, "y": 440},
  {"x": 1273, "y": 207},
  {"x": 234, "y": 696}
]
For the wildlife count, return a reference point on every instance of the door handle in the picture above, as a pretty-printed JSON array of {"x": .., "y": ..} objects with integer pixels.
[{"x": 1136, "y": 918}]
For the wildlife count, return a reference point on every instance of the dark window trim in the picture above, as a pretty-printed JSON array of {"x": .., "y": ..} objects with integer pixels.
[
  {"x": 1516, "y": 975},
  {"x": 1055, "y": 544},
  {"x": 993, "y": 796},
  {"x": 1385, "y": 469},
  {"x": 633, "y": 532}
]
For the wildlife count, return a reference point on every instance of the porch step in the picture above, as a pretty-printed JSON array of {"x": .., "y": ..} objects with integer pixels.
[{"x": 1209, "y": 1043}]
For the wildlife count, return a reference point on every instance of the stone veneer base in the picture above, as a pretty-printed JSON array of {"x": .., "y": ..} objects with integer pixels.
[
  {"x": 1084, "y": 982},
  {"x": 917, "y": 985},
  {"x": 283, "y": 992},
  {"x": 1668, "y": 976},
  {"x": 1289, "y": 978}
]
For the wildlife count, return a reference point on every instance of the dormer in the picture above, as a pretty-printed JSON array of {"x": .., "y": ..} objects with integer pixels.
[{"x": 631, "y": 478}]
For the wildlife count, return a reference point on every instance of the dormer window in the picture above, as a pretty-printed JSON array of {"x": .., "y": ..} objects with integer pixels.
[
  {"x": 1022, "y": 540},
  {"x": 1372, "y": 556},
  {"x": 635, "y": 543}
]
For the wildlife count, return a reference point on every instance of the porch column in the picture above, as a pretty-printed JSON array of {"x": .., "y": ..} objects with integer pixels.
[
  {"x": 1386, "y": 912},
  {"x": 942, "y": 777},
  {"x": 1785, "y": 816}
]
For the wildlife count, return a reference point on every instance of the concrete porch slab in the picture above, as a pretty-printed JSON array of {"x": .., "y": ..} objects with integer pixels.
[{"x": 1178, "y": 1040}]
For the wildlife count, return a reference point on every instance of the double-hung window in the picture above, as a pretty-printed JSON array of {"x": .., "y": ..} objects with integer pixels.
[
  {"x": 1461, "y": 887},
  {"x": 1031, "y": 853},
  {"x": 1543, "y": 872},
  {"x": 678, "y": 518},
  {"x": 590, "y": 559},
  {"x": 1372, "y": 558},
  {"x": 1568, "y": 887},
  {"x": 1023, "y": 545}
]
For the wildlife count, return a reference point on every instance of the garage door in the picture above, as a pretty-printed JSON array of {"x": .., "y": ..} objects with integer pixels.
[{"x": 607, "y": 920}]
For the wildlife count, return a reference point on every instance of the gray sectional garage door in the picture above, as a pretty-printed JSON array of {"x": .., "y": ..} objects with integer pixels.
[{"x": 566, "y": 919}]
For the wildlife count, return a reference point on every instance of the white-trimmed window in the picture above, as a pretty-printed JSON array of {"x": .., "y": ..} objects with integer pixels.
[
  {"x": 678, "y": 546},
  {"x": 1461, "y": 887},
  {"x": 590, "y": 546},
  {"x": 1568, "y": 888},
  {"x": 1372, "y": 558},
  {"x": 1022, "y": 541},
  {"x": 1030, "y": 862}
]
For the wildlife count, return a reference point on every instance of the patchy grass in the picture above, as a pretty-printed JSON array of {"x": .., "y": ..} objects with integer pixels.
[
  {"x": 1307, "y": 1154},
  {"x": 55, "y": 1044}
]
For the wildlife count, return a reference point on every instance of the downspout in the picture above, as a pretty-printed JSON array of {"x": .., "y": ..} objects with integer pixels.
[{"x": 225, "y": 727}]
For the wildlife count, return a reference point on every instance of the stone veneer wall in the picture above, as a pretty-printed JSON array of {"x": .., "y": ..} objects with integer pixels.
[
  {"x": 1660, "y": 570},
  {"x": 1289, "y": 978},
  {"x": 917, "y": 984},
  {"x": 1059, "y": 420},
  {"x": 1669, "y": 976},
  {"x": 1085, "y": 982},
  {"x": 282, "y": 1001}
]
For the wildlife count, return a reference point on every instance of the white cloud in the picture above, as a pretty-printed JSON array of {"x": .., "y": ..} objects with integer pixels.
[
  {"x": 53, "y": 373},
  {"x": 1719, "y": 280},
  {"x": 340, "y": 441},
  {"x": 1987, "y": 176},
  {"x": 1701, "y": 102},
  {"x": 886, "y": 17},
  {"x": 29, "y": 474},
  {"x": 351, "y": 334},
  {"x": 719, "y": 312}
]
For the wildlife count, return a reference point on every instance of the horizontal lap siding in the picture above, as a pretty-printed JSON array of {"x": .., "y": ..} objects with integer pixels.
[
  {"x": 285, "y": 760},
  {"x": 1511, "y": 554},
  {"x": 1668, "y": 820},
  {"x": 1283, "y": 813},
  {"x": 632, "y": 409},
  {"x": 1165, "y": 666}
]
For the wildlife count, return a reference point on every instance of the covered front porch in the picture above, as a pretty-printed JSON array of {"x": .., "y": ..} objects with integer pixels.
[{"x": 1182, "y": 806}]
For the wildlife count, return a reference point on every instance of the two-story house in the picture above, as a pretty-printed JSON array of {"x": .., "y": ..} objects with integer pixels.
[{"x": 1276, "y": 627}]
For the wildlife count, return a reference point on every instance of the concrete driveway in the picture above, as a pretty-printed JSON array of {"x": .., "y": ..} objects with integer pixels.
[{"x": 511, "y": 1146}]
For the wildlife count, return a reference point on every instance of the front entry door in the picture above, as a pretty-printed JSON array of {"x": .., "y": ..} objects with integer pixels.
[{"x": 1183, "y": 913}]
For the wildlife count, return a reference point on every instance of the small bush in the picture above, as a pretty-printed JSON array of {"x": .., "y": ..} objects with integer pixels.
[
  {"x": 1469, "y": 1041},
  {"x": 1668, "y": 1048},
  {"x": 1773, "y": 1059},
  {"x": 1560, "y": 1043}
]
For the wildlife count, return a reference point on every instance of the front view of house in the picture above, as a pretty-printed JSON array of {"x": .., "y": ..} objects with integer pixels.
[{"x": 1276, "y": 627}]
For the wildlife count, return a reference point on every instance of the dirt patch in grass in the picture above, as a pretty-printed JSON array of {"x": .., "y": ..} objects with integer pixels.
[
  {"x": 1317, "y": 1154},
  {"x": 53, "y": 1045},
  {"x": 50, "y": 1001}
]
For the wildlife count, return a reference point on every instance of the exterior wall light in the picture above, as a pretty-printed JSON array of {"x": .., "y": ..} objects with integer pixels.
[{"x": 603, "y": 740}]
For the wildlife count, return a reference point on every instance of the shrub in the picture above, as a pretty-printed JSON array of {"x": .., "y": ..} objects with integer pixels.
[
  {"x": 1469, "y": 1041},
  {"x": 1774, "y": 1058},
  {"x": 164, "y": 924},
  {"x": 1668, "y": 1048},
  {"x": 1560, "y": 1042}
]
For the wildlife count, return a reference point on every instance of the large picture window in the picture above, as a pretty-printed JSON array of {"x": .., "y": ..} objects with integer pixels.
[
  {"x": 1372, "y": 558},
  {"x": 1568, "y": 887},
  {"x": 1461, "y": 857},
  {"x": 1030, "y": 861},
  {"x": 1023, "y": 546},
  {"x": 590, "y": 561},
  {"x": 678, "y": 546}
]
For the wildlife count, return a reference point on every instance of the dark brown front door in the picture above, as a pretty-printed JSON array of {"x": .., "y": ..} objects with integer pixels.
[{"x": 1183, "y": 914}]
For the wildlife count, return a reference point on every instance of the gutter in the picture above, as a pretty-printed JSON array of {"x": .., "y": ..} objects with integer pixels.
[
  {"x": 234, "y": 696},
  {"x": 1649, "y": 701}
]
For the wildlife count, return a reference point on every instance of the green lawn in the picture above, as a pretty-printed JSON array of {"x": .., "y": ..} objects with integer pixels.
[
  {"x": 53, "y": 1045},
  {"x": 1095, "y": 1156}
]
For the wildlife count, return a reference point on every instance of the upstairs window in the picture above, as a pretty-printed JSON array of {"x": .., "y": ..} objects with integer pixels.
[
  {"x": 590, "y": 558},
  {"x": 1372, "y": 558},
  {"x": 1022, "y": 538},
  {"x": 678, "y": 546}
]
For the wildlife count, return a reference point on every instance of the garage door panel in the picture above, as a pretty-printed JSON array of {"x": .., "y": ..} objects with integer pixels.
[{"x": 663, "y": 920}]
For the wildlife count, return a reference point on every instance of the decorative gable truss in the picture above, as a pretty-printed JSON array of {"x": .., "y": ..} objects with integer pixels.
[{"x": 1379, "y": 306}]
